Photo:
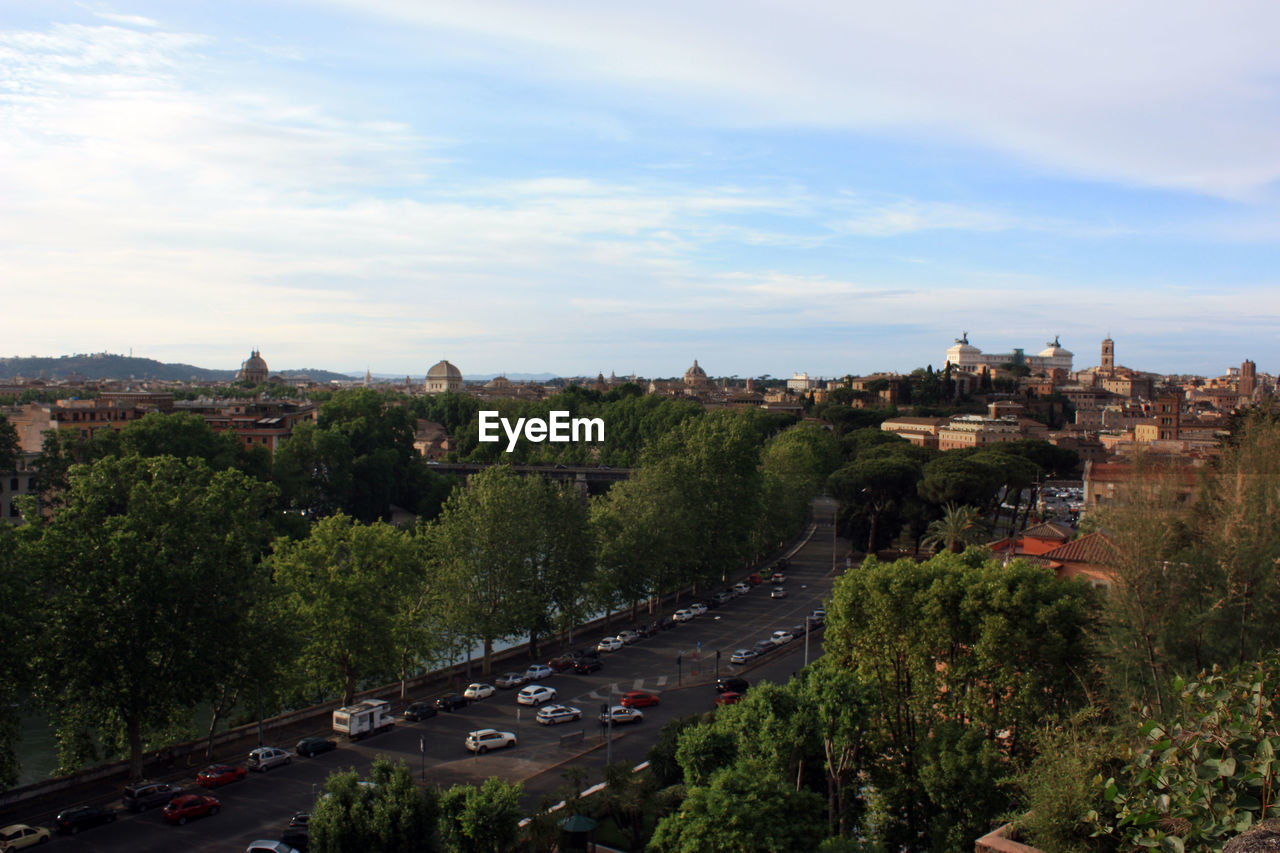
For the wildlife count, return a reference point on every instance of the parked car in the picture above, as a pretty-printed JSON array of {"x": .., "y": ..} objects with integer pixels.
[
  {"x": 798, "y": 631},
  {"x": 728, "y": 698},
  {"x": 266, "y": 845},
  {"x": 698, "y": 608},
  {"x": 264, "y": 758},
  {"x": 300, "y": 819},
  {"x": 310, "y": 747},
  {"x": 710, "y": 602},
  {"x": 19, "y": 836},
  {"x": 682, "y": 616},
  {"x": 298, "y": 838},
  {"x": 754, "y": 579},
  {"x": 79, "y": 818},
  {"x": 510, "y": 679},
  {"x": 778, "y": 592},
  {"x": 420, "y": 710},
  {"x": 648, "y": 630},
  {"x": 217, "y": 775},
  {"x": 144, "y": 795},
  {"x": 638, "y": 699},
  {"x": 452, "y": 702},
  {"x": 476, "y": 692},
  {"x": 563, "y": 662},
  {"x": 483, "y": 740},
  {"x": 586, "y": 666},
  {"x": 609, "y": 644},
  {"x": 742, "y": 587},
  {"x": 781, "y": 637},
  {"x": 732, "y": 683},
  {"x": 763, "y": 647},
  {"x": 743, "y": 656},
  {"x": 818, "y": 616},
  {"x": 183, "y": 808},
  {"x": 628, "y": 637},
  {"x": 621, "y": 715},
  {"x": 537, "y": 671},
  {"x": 535, "y": 694},
  {"x": 778, "y": 577},
  {"x": 550, "y": 715},
  {"x": 724, "y": 596}
]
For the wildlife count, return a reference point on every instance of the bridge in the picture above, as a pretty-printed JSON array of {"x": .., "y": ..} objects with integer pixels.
[{"x": 587, "y": 479}]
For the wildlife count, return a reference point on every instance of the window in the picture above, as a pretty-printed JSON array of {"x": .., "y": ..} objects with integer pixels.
[{"x": 13, "y": 484}]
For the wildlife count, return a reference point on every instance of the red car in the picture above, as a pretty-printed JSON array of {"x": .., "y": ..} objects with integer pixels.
[
  {"x": 728, "y": 698},
  {"x": 217, "y": 775},
  {"x": 638, "y": 699},
  {"x": 183, "y": 808}
]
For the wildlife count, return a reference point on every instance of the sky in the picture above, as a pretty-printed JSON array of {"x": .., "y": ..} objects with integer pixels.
[{"x": 579, "y": 186}]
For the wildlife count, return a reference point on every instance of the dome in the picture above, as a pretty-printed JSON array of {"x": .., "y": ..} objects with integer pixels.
[
  {"x": 254, "y": 368},
  {"x": 495, "y": 382},
  {"x": 444, "y": 370},
  {"x": 695, "y": 374},
  {"x": 443, "y": 377}
]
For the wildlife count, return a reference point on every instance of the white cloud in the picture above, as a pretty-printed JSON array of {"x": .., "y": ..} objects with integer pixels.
[{"x": 1175, "y": 93}]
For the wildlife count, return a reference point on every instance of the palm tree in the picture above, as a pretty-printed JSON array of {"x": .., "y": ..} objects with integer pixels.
[{"x": 959, "y": 526}]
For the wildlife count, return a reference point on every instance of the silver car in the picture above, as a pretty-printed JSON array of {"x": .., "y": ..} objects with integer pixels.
[{"x": 264, "y": 758}]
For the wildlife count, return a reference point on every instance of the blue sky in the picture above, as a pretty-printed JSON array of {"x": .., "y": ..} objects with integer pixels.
[{"x": 576, "y": 187}]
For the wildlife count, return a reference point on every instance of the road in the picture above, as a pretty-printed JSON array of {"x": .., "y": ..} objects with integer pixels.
[{"x": 680, "y": 665}]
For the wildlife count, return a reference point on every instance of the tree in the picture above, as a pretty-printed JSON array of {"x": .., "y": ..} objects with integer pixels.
[
  {"x": 348, "y": 584},
  {"x": 957, "y": 477},
  {"x": 19, "y": 600},
  {"x": 875, "y": 488},
  {"x": 958, "y": 527},
  {"x": 742, "y": 809},
  {"x": 484, "y": 819},
  {"x": 10, "y": 447},
  {"x": 146, "y": 568},
  {"x": 483, "y": 546},
  {"x": 388, "y": 812}
]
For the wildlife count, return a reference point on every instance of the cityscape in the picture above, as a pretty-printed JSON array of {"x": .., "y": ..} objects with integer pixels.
[{"x": 680, "y": 427}]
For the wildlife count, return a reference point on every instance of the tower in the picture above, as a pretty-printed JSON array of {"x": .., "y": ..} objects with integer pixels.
[
  {"x": 1248, "y": 379},
  {"x": 1108, "y": 354}
]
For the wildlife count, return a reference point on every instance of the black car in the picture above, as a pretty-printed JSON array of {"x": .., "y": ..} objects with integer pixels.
[
  {"x": 711, "y": 603},
  {"x": 311, "y": 746},
  {"x": 419, "y": 711},
  {"x": 73, "y": 820},
  {"x": 452, "y": 702},
  {"x": 300, "y": 819},
  {"x": 144, "y": 795},
  {"x": 297, "y": 838},
  {"x": 731, "y": 684},
  {"x": 585, "y": 666},
  {"x": 649, "y": 630}
]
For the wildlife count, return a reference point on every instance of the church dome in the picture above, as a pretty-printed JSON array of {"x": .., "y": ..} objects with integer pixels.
[
  {"x": 695, "y": 375},
  {"x": 443, "y": 376},
  {"x": 254, "y": 368},
  {"x": 444, "y": 370}
]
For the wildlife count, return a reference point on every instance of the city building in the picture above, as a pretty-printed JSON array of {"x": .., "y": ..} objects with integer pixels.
[
  {"x": 443, "y": 377},
  {"x": 253, "y": 369}
]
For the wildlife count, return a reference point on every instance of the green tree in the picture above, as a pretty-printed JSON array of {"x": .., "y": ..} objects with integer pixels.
[
  {"x": 483, "y": 547},
  {"x": 481, "y": 819},
  {"x": 875, "y": 489},
  {"x": 742, "y": 809},
  {"x": 347, "y": 584},
  {"x": 388, "y": 812},
  {"x": 958, "y": 527},
  {"x": 10, "y": 447},
  {"x": 20, "y": 605},
  {"x": 146, "y": 568}
]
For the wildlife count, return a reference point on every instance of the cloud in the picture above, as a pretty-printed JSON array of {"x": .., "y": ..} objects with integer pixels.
[{"x": 1164, "y": 94}]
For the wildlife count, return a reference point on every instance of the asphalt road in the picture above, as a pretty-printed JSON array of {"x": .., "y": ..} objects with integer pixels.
[{"x": 679, "y": 665}]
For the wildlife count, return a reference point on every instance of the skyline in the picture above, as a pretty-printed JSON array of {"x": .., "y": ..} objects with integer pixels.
[{"x": 576, "y": 189}]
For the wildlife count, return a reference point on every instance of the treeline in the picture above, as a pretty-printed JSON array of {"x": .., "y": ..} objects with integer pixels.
[{"x": 174, "y": 568}]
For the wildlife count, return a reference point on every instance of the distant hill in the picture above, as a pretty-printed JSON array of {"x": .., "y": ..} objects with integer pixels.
[{"x": 123, "y": 367}]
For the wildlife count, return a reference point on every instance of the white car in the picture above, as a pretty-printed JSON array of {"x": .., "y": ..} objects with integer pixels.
[
  {"x": 609, "y": 644},
  {"x": 535, "y": 694},
  {"x": 510, "y": 679},
  {"x": 743, "y": 656},
  {"x": 698, "y": 608},
  {"x": 778, "y": 638},
  {"x": 682, "y": 616},
  {"x": 628, "y": 637},
  {"x": 818, "y": 616},
  {"x": 778, "y": 592},
  {"x": 483, "y": 740},
  {"x": 538, "y": 670},
  {"x": 550, "y": 715},
  {"x": 264, "y": 758},
  {"x": 478, "y": 691},
  {"x": 742, "y": 588},
  {"x": 266, "y": 845},
  {"x": 620, "y": 715}
]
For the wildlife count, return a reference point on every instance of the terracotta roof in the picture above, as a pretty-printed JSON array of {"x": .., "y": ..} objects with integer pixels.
[
  {"x": 1050, "y": 530},
  {"x": 1095, "y": 549}
]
